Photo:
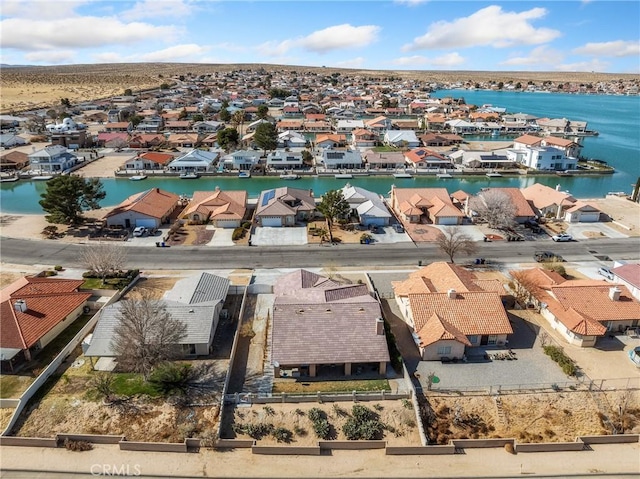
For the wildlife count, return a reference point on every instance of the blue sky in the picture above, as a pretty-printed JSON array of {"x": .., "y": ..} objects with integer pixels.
[{"x": 588, "y": 35}]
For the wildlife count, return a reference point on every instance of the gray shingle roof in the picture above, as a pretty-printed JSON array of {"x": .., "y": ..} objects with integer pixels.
[{"x": 202, "y": 288}]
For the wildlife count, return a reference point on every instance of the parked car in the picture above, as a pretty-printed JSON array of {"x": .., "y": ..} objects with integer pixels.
[
  {"x": 398, "y": 228},
  {"x": 562, "y": 237},
  {"x": 547, "y": 256},
  {"x": 140, "y": 231},
  {"x": 606, "y": 272}
]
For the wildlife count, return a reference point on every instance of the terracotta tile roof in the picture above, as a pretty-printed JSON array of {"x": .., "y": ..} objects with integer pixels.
[
  {"x": 582, "y": 206},
  {"x": 560, "y": 142},
  {"x": 155, "y": 203},
  {"x": 460, "y": 195},
  {"x": 49, "y": 301},
  {"x": 160, "y": 158},
  {"x": 471, "y": 312},
  {"x": 523, "y": 208},
  {"x": 529, "y": 140},
  {"x": 629, "y": 273},
  {"x": 405, "y": 198},
  {"x": 438, "y": 277},
  {"x": 543, "y": 196},
  {"x": 437, "y": 329},
  {"x": 334, "y": 138},
  {"x": 218, "y": 204}
]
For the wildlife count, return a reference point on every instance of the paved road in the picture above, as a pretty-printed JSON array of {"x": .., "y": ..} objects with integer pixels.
[{"x": 46, "y": 252}]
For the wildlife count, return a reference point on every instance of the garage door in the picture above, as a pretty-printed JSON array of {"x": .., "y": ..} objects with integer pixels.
[
  {"x": 146, "y": 222},
  {"x": 589, "y": 217},
  {"x": 272, "y": 221},
  {"x": 448, "y": 220},
  {"x": 373, "y": 220}
]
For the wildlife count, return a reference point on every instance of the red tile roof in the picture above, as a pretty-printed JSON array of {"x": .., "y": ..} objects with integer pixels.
[
  {"x": 437, "y": 329},
  {"x": 155, "y": 203}
]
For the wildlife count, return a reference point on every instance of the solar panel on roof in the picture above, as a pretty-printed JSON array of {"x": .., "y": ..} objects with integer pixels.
[{"x": 268, "y": 196}]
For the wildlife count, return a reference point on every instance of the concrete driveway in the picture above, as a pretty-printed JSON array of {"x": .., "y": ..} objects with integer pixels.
[
  {"x": 273, "y": 236},
  {"x": 593, "y": 230},
  {"x": 473, "y": 231},
  {"x": 221, "y": 236},
  {"x": 387, "y": 234}
]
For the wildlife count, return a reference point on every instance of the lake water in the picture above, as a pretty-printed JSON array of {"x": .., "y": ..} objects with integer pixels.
[{"x": 617, "y": 118}]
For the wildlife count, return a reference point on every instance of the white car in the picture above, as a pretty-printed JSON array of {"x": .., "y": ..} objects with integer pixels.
[
  {"x": 562, "y": 237},
  {"x": 140, "y": 231}
]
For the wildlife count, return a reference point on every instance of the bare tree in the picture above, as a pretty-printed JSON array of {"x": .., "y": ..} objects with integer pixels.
[
  {"x": 104, "y": 258},
  {"x": 146, "y": 335},
  {"x": 453, "y": 241},
  {"x": 495, "y": 207},
  {"x": 522, "y": 286}
]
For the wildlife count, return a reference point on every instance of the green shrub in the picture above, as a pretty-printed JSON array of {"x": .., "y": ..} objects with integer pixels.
[
  {"x": 316, "y": 414},
  {"x": 58, "y": 267},
  {"x": 171, "y": 378},
  {"x": 565, "y": 362},
  {"x": 238, "y": 233},
  {"x": 246, "y": 225},
  {"x": 322, "y": 428},
  {"x": 282, "y": 434}
]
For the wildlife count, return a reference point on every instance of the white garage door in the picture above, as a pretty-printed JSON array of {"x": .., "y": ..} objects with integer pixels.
[
  {"x": 448, "y": 220},
  {"x": 589, "y": 217},
  {"x": 146, "y": 222},
  {"x": 272, "y": 221}
]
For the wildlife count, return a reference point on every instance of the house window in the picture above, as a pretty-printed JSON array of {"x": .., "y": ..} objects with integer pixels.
[
  {"x": 492, "y": 339},
  {"x": 442, "y": 350},
  {"x": 473, "y": 339}
]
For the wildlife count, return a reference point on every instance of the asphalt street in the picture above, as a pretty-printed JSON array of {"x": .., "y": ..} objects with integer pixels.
[{"x": 47, "y": 252}]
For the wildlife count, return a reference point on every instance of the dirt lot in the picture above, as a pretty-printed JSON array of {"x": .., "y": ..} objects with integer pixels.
[
  {"x": 5, "y": 415},
  {"x": 401, "y": 429},
  {"x": 340, "y": 234},
  {"x": 539, "y": 417},
  {"x": 155, "y": 287}
]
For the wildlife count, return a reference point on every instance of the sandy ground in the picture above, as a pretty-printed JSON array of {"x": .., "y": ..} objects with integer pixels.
[{"x": 104, "y": 167}]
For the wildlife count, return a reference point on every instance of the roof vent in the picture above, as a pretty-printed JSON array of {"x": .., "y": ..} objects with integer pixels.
[
  {"x": 20, "y": 306},
  {"x": 380, "y": 326},
  {"x": 614, "y": 293},
  {"x": 191, "y": 310},
  {"x": 452, "y": 294}
]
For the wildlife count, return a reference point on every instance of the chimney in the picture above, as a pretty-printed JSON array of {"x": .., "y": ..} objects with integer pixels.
[
  {"x": 452, "y": 294},
  {"x": 380, "y": 326},
  {"x": 20, "y": 306},
  {"x": 614, "y": 293}
]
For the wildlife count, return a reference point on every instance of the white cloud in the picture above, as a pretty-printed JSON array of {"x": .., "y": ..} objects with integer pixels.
[
  {"x": 618, "y": 48},
  {"x": 87, "y": 32},
  {"x": 413, "y": 60},
  {"x": 41, "y": 10},
  {"x": 338, "y": 37},
  {"x": 357, "y": 62},
  {"x": 539, "y": 56},
  {"x": 158, "y": 8},
  {"x": 51, "y": 57},
  {"x": 452, "y": 59},
  {"x": 490, "y": 26},
  {"x": 176, "y": 53},
  {"x": 108, "y": 57},
  {"x": 410, "y": 3},
  {"x": 590, "y": 66},
  {"x": 274, "y": 48}
]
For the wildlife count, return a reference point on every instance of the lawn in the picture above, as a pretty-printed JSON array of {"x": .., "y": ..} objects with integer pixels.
[
  {"x": 12, "y": 386},
  {"x": 96, "y": 283},
  {"x": 302, "y": 387},
  {"x": 386, "y": 149},
  {"x": 131, "y": 384}
]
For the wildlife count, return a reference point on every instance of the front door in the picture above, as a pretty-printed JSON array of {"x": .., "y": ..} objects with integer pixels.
[
  {"x": 484, "y": 340},
  {"x": 127, "y": 223}
]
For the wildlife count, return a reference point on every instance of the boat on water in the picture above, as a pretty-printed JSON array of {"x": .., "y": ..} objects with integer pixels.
[
  {"x": 402, "y": 175},
  {"x": 289, "y": 176},
  {"x": 343, "y": 176},
  {"x": 493, "y": 175},
  {"x": 8, "y": 179},
  {"x": 189, "y": 176},
  {"x": 138, "y": 177},
  {"x": 564, "y": 173},
  {"x": 444, "y": 176},
  {"x": 42, "y": 177},
  {"x": 244, "y": 174}
]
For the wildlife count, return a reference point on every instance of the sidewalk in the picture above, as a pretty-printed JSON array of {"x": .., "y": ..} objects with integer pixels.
[{"x": 621, "y": 459}]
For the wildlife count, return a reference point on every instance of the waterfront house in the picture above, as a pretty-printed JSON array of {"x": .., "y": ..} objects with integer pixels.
[
  {"x": 146, "y": 140},
  {"x": 113, "y": 140},
  {"x": 183, "y": 140},
  {"x": 195, "y": 301},
  {"x": 223, "y": 209},
  {"x": 194, "y": 161},
  {"x": 523, "y": 210},
  {"x": 548, "y": 202},
  {"x": 460, "y": 127},
  {"x": 330, "y": 141},
  {"x": 581, "y": 311},
  {"x": 291, "y": 139},
  {"x": 321, "y": 327},
  {"x": 425, "y": 205},
  {"x": 52, "y": 159},
  {"x": 149, "y": 160},
  {"x": 425, "y": 158},
  {"x": 367, "y": 206},
  {"x": 482, "y": 159},
  {"x": 13, "y": 161},
  {"x": 440, "y": 139},
  {"x": 570, "y": 148},
  {"x": 317, "y": 126},
  {"x": 284, "y": 206},
  {"x": 150, "y": 209},
  {"x": 542, "y": 158},
  {"x": 241, "y": 160},
  {"x": 10, "y": 140},
  {"x": 178, "y": 126},
  {"x": 290, "y": 125},
  {"x": 362, "y": 138},
  {"x": 450, "y": 310},
  {"x": 341, "y": 159},
  {"x": 33, "y": 312},
  {"x": 284, "y": 160},
  {"x": 388, "y": 160},
  {"x": 562, "y": 126},
  {"x": 401, "y": 138}
]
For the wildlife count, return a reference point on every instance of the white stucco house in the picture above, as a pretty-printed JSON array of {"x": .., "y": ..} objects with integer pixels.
[
  {"x": 337, "y": 159},
  {"x": 198, "y": 161},
  {"x": 241, "y": 160},
  {"x": 52, "y": 159},
  {"x": 284, "y": 160}
]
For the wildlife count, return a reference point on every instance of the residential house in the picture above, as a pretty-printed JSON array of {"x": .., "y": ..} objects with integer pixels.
[
  {"x": 146, "y": 140},
  {"x": 52, "y": 159},
  {"x": 628, "y": 274},
  {"x": 290, "y": 125},
  {"x": 378, "y": 125},
  {"x": 319, "y": 325},
  {"x": 548, "y": 202},
  {"x": 582, "y": 212},
  {"x": 562, "y": 126},
  {"x": 542, "y": 158},
  {"x": 254, "y": 124},
  {"x": 207, "y": 127},
  {"x": 523, "y": 210},
  {"x": 449, "y": 310},
  {"x": 178, "y": 126},
  {"x": 149, "y": 160},
  {"x": 113, "y": 140},
  {"x": 284, "y": 206},
  {"x": 425, "y": 205},
  {"x": 405, "y": 125},
  {"x": 241, "y": 160},
  {"x": 196, "y": 302},
  {"x": 183, "y": 140},
  {"x": 150, "y": 209},
  {"x": 330, "y": 141},
  {"x": 362, "y": 138},
  {"x": 440, "y": 139},
  {"x": 194, "y": 161},
  {"x": 435, "y": 122},
  {"x": 401, "y": 138},
  {"x": 581, "y": 311},
  {"x": 347, "y": 126},
  {"x": 33, "y": 312},
  {"x": 527, "y": 145},
  {"x": 367, "y": 206},
  {"x": 14, "y": 161},
  {"x": 10, "y": 140},
  {"x": 224, "y": 209},
  {"x": 482, "y": 159},
  {"x": 151, "y": 124},
  {"x": 119, "y": 127},
  {"x": 284, "y": 160},
  {"x": 291, "y": 139},
  {"x": 461, "y": 126},
  {"x": 341, "y": 159},
  {"x": 317, "y": 126},
  {"x": 421, "y": 158},
  {"x": 391, "y": 160}
]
